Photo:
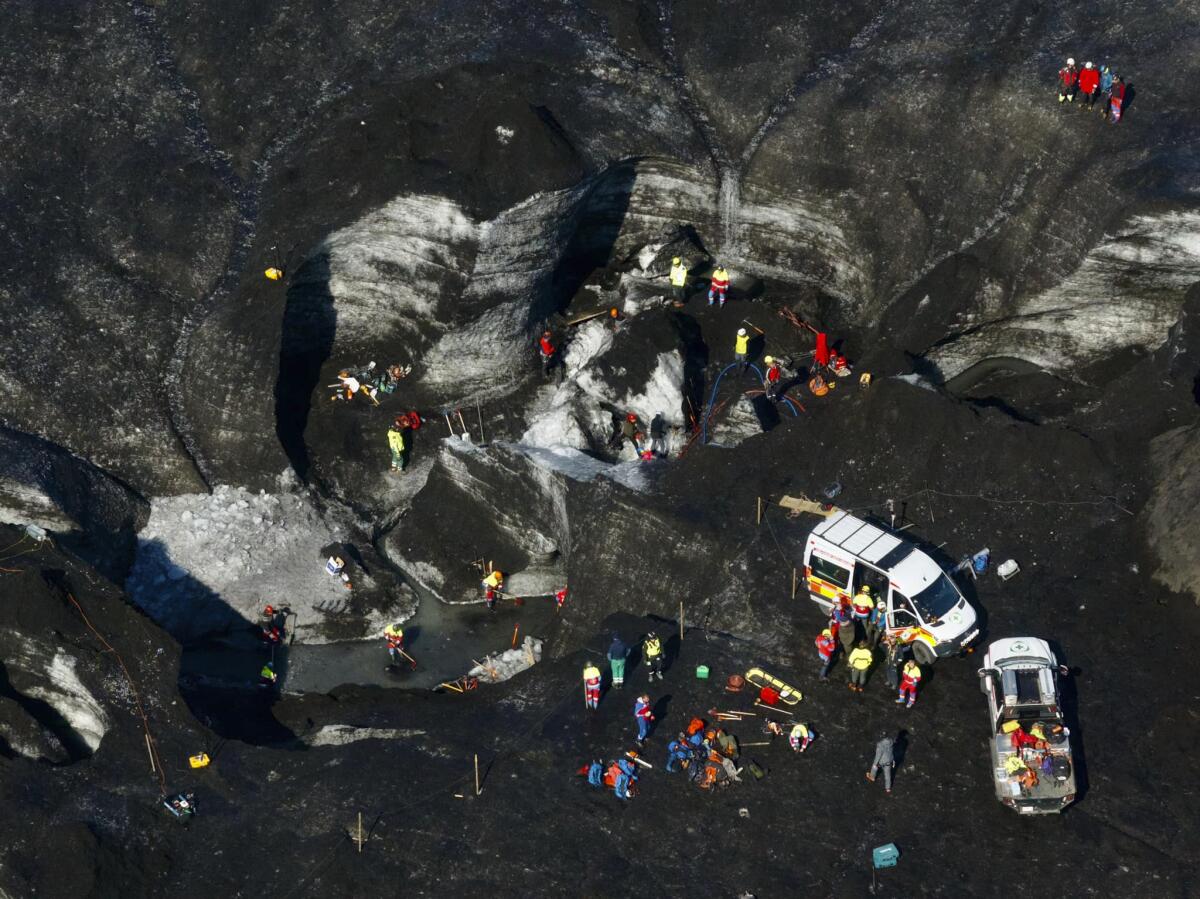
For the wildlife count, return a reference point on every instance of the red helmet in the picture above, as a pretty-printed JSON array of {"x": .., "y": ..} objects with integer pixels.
[
  {"x": 269, "y": 610},
  {"x": 631, "y": 417}
]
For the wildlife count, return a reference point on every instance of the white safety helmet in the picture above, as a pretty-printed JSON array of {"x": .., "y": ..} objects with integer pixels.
[
  {"x": 1070, "y": 61},
  {"x": 1087, "y": 65},
  {"x": 741, "y": 332}
]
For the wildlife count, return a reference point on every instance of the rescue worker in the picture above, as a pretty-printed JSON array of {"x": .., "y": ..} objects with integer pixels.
[
  {"x": 884, "y": 760},
  {"x": 560, "y": 596},
  {"x": 861, "y": 606},
  {"x": 267, "y": 677},
  {"x": 335, "y": 566},
  {"x": 274, "y": 273},
  {"x": 859, "y": 662},
  {"x": 658, "y": 435},
  {"x": 492, "y": 584},
  {"x": 876, "y": 623},
  {"x": 909, "y": 678},
  {"x": 801, "y": 737},
  {"x": 1068, "y": 81},
  {"x": 719, "y": 285},
  {"x": 652, "y": 650},
  {"x": 773, "y": 379},
  {"x": 395, "y": 439},
  {"x": 629, "y": 430},
  {"x": 270, "y": 631},
  {"x": 395, "y": 642},
  {"x": 895, "y": 656},
  {"x": 643, "y": 714},
  {"x": 591, "y": 686},
  {"x": 1089, "y": 85},
  {"x": 1116, "y": 100},
  {"x": 1106, "y": 83},
  {"x": 842, "y": 623},
  {"x": 678, "y": 278},
  {"x": 546, "y": 350},
  {"x": 826, "y": 649},
  {"x": 741, "y": 348},
  {"x": 350, "y": 383},
  {"x": 617, "y": 653},
  {"x": 679, "y": 753},
  {"x": 627, "y": 769}
]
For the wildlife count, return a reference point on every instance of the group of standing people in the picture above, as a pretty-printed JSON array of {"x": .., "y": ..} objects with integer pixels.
[
  {"x": 1092, "y": 83},
  {"x": 857, "y": 628},
  {"x": 718, "y": 285}
]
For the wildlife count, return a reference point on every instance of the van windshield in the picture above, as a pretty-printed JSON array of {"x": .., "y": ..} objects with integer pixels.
[{"x": 937, "y": 599}]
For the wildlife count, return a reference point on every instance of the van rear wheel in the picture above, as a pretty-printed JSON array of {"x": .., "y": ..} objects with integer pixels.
[{"x": 923, "y": 654}]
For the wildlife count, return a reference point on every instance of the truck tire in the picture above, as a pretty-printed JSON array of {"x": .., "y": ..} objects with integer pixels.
[{"x": 923, "y": 654}]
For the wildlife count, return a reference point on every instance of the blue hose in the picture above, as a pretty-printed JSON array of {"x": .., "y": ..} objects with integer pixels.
[{"x": 713, "y": 398}]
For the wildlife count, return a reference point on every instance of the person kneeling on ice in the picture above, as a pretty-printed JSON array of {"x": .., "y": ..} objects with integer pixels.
[
  {"x": 395, "y": 642},
  {"x": 626, "y": 776},
  {"x": 335, "y": 566},
  {"x": 492, "y": 584},
  {"x": 801, "y": 737}
]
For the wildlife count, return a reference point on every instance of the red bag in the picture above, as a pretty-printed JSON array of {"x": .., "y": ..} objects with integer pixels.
[
  {"x": 769, "y": 696},
  {"x": 414, "y": 421}
]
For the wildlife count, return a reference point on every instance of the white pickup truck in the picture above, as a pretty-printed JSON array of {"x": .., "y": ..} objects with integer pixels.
[{"x": 1031, "y": 747}]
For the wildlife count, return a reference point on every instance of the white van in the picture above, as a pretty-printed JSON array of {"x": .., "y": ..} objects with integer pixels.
[{"x": 924, "y": 606}]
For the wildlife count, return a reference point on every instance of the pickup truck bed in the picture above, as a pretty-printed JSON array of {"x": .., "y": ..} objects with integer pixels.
[{"x": 1048, "y": 789}]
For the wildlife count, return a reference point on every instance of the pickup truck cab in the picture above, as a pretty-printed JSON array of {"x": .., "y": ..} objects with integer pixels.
[
  {"x": 1031, "y": 748},
  {"x": 924, "y": 606}
]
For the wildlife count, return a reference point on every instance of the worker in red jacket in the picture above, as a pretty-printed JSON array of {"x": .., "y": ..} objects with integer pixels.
[
  {"x": 1068, "y": 81},
  {"x": 773, "y": 379},
  {"x": 910, "y": 677},
  {"x": 546, "y": 350},
  {"x": 1116, "y": 100},
  {"x": 719, "y": 285},
  {"x": 1089, "y": 84},
  {"x": 827, "y": 646}
]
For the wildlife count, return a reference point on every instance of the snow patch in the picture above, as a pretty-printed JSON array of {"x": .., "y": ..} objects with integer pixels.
[
  {"x": 209, "y": 562},
  {"x": 1126, "y": 293},
  {"x": 341, "y": 734},
  {"x": 504, "y": 135},
  {"x": 71, "y": 699}
]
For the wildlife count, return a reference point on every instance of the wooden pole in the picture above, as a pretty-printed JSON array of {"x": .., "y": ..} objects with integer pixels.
[
  {"x": 756, "y": 744},
  {"x": 479, "y": 412},
  {"x": 681, "y": 621},
  {"x": 771, "y": 708},
  {"x": 450, "y": 426},
  {"x": 477, "y": 788},
  {"x": 758, "y": 513},
  {"x": 150, "y": 752},
  {"x": 360, "y": 836},
  {"x": 516, "y": 627},
  {"x": 793, "y": 583}
]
